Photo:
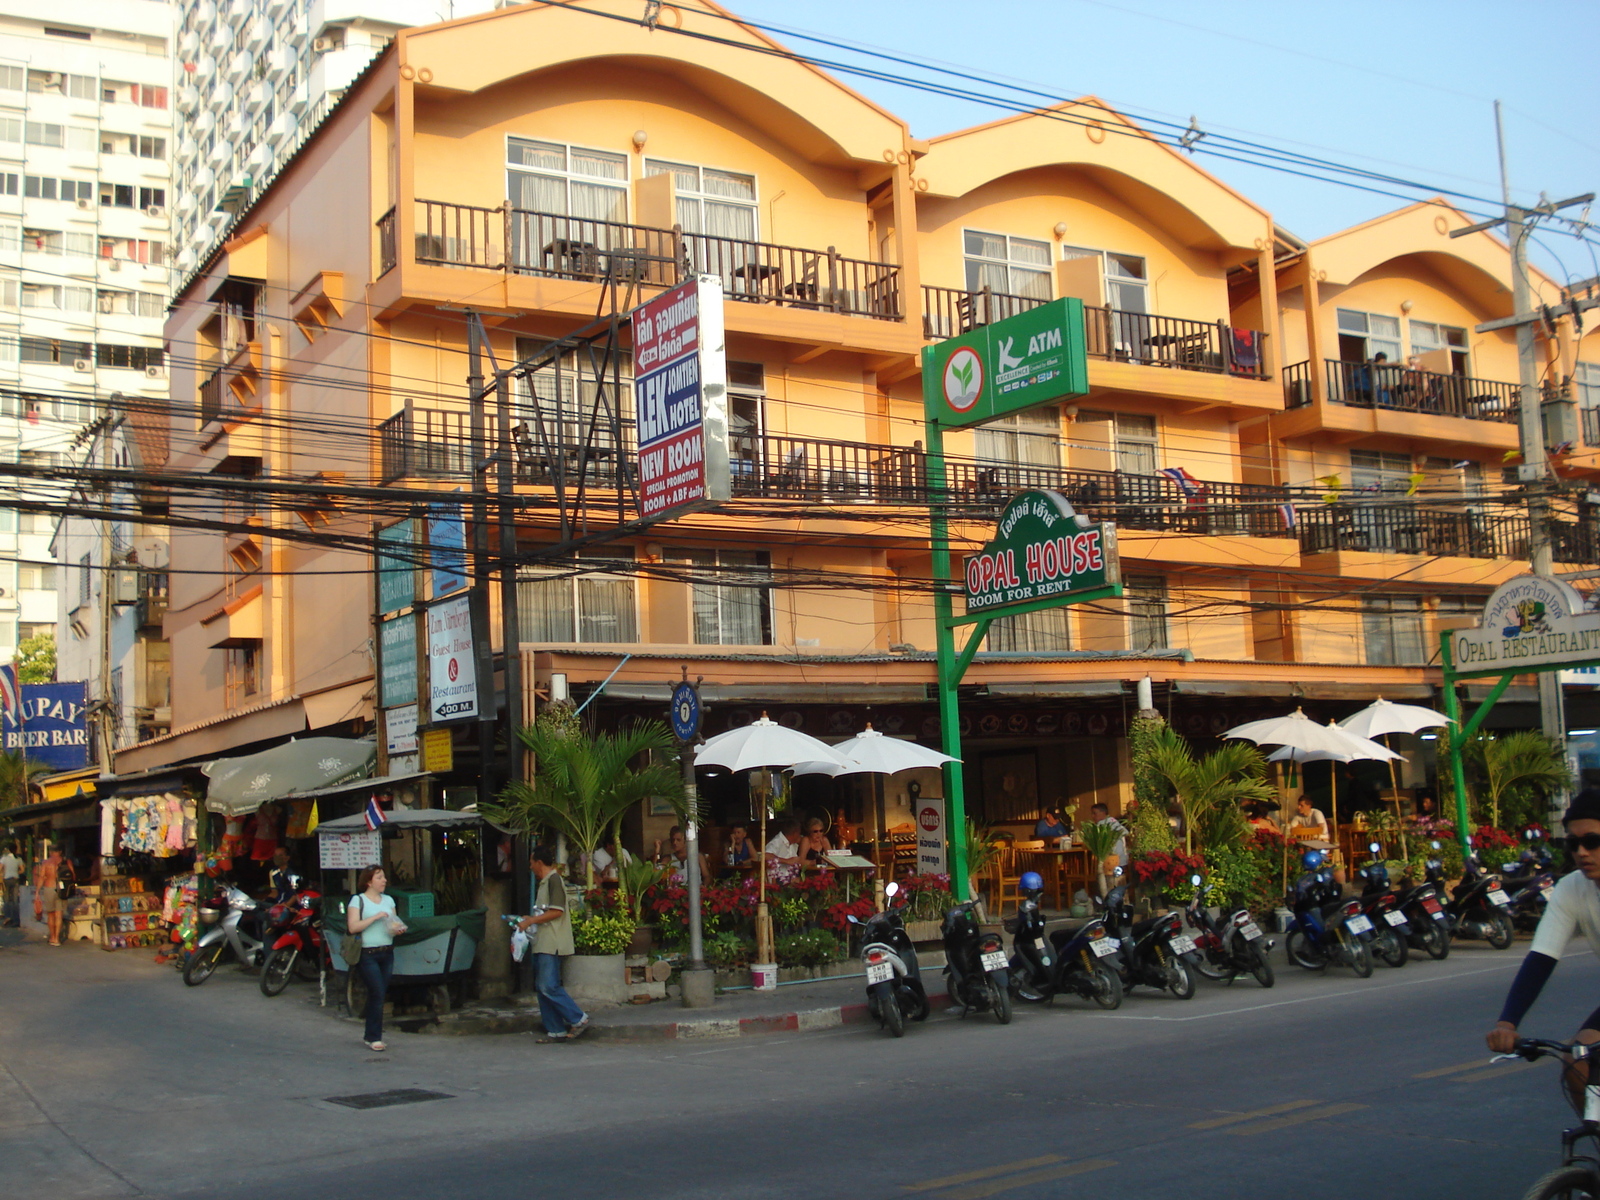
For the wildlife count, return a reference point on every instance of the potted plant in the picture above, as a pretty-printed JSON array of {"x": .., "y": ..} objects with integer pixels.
[
  {"x": 596, "y": 973},
  {"x": 1100, "y": 840}
]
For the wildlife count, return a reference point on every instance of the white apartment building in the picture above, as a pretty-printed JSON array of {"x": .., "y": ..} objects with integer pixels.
[
  {"x": 85, "y": 139},
  {"x": 255, "y": 78}
]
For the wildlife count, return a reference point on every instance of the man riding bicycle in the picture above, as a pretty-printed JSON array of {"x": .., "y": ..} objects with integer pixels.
[{"x": 1574, "y": 907}]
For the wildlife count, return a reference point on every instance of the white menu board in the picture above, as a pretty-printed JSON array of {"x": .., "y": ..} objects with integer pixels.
[{"x": 350, "y": 851}]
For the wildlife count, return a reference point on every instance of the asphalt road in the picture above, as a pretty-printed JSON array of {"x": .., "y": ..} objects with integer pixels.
[{"x": 116, "y": 1080}]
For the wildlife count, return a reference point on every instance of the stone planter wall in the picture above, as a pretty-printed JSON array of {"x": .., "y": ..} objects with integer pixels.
[{"x": 595, "y": 978}]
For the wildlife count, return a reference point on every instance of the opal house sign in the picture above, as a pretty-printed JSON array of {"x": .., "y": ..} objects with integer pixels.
[{"x": 1042, "y": 550}]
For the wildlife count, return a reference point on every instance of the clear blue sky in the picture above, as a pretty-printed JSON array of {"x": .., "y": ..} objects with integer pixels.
[{"x": 1400, "y": 86}]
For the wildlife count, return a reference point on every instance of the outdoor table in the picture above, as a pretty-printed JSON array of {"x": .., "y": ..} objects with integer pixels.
[
  {"x": 575, "y": 257},
  {"x": 1073, "y": 863},
  {"x": 753, "y": 275}
]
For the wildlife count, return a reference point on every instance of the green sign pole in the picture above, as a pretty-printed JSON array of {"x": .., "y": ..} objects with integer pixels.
[{"x": 949, "y": 667}]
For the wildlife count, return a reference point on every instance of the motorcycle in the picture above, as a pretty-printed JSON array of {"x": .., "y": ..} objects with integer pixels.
[
  {"x": 1427, "y": 925},
  {"x": 1228, "y": 946},
  {"x": 894, "y": 978},
  {"x": 1326, "y": 930},
  {"x": 1528, "y": 883},
  {"x": 1380, "y": 905},
  {"x": 975, "y": 963},
  {"x": 294, "y": 937},
  {"x": 1154, "y": 952},
  {"x": 225, "y": 932},
  {"x": 1477, "y": 907},
  {"x": 1071, "y": 960}
]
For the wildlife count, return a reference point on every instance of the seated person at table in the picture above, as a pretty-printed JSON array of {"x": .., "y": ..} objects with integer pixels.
[
  {"x": 606, "y": 858},
  {"x": 783, "y": 852},
  {"x": 1260, "y": 815},
  {"x": 741, "y": 849},
  {"x": 676, "y": 857},
  {"x": 1052, "y": 824},
  {"x": 1099, "y": 814},
  {"x": 1308, "y": 822},
  {"x": 814, "y": 845}
]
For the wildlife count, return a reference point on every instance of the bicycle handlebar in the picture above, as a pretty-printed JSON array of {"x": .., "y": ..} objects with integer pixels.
[{"x": 1536, "y": 1048}]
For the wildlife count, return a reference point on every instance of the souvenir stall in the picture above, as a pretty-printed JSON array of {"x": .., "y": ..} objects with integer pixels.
[{"x": 145, "y": 840}]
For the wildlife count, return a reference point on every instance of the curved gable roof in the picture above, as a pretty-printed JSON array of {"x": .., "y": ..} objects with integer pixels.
[
  {"x": 799, "y": 104},
  {"x": 1089, "y": 136}
]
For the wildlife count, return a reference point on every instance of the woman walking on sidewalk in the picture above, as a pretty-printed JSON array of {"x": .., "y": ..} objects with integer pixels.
[{"x": 371, "y": 914}]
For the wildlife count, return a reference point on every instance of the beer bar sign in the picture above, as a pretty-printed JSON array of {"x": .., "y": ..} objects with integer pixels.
[
  {"x": 1042, "y": 553},
  {"x": 680, "y": 397}
]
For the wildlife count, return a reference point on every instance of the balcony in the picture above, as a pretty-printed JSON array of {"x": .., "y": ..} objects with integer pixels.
[
  {"x": 1382, "y": 386},
  {"x": 1379, "y": 528},
  {"x": 1143, "y": 339},
  {"x": 522, "y": 242}
]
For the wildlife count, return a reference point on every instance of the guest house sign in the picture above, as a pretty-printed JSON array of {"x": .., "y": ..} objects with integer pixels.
[
  {"x": 1529, "y": 622},
  {"x": 1042, "y": 552}
]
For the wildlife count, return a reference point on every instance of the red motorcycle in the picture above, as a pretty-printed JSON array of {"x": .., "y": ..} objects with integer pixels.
[{"x": 294, "y": 938}]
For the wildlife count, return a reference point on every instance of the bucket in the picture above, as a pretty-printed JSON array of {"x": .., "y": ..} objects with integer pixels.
[{"x": 764, "y": 976}]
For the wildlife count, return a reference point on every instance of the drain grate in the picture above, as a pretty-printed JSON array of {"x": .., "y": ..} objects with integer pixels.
[{"x": 390, "y": 1098}]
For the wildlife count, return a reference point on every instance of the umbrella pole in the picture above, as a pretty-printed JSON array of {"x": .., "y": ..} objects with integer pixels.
[
  {"x": 1399, "y": 820},
  {"x": 763, "y": 918}
]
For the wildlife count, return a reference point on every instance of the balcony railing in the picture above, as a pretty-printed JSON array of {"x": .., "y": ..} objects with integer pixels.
[
  {"x": 1591, "y": 426},
  {"x": 1144, "y": 338},
  {"x": 1297, "y": 385},
  {"x": 213, "y": 394},
  {"x": 1408, "y": 529},
  {"x": 387, "y": 245},
  {"x": 521, "y": 241},
  {"x": 1382, "y": 385}
]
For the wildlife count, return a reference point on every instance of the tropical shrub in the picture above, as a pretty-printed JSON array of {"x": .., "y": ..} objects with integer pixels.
[
  {"x": 728, "y": 949},
  {"x": 812, "y": 948},
  {"x": 603, "y": 933}
]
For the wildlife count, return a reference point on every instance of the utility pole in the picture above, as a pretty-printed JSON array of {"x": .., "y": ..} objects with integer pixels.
[
  {"x": 1534, "y": 473},
  {"x": 477, "y": 433}
]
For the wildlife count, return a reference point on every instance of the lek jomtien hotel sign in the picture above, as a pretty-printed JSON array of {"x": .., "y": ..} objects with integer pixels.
[
  {"x": 1530, "y": 622},
  {"x": 1042, "y": 551}
]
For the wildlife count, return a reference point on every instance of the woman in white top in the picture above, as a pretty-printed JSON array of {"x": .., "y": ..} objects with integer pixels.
[{"x": 371, "y": 914}]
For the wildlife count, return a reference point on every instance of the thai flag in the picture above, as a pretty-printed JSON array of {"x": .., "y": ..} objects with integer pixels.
[
  {"x": 1286, "y": 511},
  {"x": 10, "y": 695},
  {"x": 1183, "y": 479},
  {"x": 375, "y": 815}
]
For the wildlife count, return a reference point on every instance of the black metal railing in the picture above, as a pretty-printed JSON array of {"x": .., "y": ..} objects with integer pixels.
[
  {"x": 947, "y": 312},
  {"x": 1410, "y": 529},
  {"x": 1384, "y": 385},
  {"x": 213, "y": 395},
  {"x": 523, "y": 241},
  {"x": 387, "y": 246},
  {"x": 1297, "y": 385}
]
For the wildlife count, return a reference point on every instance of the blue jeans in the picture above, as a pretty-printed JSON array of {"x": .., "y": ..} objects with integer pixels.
[
  {"x": 377, "y": 968},
  {"x": 557, "y": 1010}
]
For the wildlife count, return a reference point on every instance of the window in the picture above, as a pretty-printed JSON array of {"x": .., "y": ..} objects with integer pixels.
[
  {"x": 36, "y": 578},
  {"x": 1391, "y": 630},
  {"x": 134, "y": 358},
  {"x": 38, "y": 133},
  {"x": 147, "y": 96},
  {"x": 1459, "y": 611},
  {"x": 117, "y": 195},
  {"x": 549, "y": 177},
  {"x": 12, "y": 79},
  {"x": 574, "y": 418},
  {"x": 81, "y": 35},
  {"x": 10, "y": 184},
  {"x": 65, "y": 299},
  {"x": 1125, "y": 277},
  {"x": 732, "y": 595},
  {"x": 716, "y": 203},
  {"x": 1443, "y": 348},
  {"x": 10, "y": 296},
  {"x": 747, "y": 396},
  {"x": 133, "y": 250},
  {"x": 33, "y": 629},
  {"x": 1031, "y": 438},
  {"x": 1044, "y": 632},
  {"x": 81, "y": 87},
  {"x": 11, "y": 129},
  {"x": 1364, "y": 336},
  {"x": 1136, "y": 443},
  {"x": 152, "y": 197},
  {"x": 1379, "y": 471},
  {"x": 44, "y": 187},
  {"x": 85, "y": 579},
  {"x": 598, "y": 606},
  {"x": 53, "y": 350},
  {"x": 152, "y": 304},
  {"x": 243, "y": 673},
  {"x": 1586, "y": 384},
  {"x": 1147, "y": 611},
  {"x": 1010, "y": 265}
]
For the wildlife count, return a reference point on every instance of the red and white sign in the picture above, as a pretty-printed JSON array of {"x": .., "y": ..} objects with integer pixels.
[
  {"x": 680, "y": 397},
  {"x": 452, "y": 669},
  {"x": 930, "y": 836}
]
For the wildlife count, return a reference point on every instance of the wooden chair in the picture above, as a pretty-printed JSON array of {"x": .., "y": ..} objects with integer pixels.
[{"x": 1004, "y": 875}]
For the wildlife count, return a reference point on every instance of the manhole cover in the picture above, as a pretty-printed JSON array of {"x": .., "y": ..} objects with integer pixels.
[{"x": 390, "y": 1098}]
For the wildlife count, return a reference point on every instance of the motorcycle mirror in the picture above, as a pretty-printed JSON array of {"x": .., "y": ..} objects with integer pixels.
[
  {"x": 852, "y": 918},
  {"x": 1374, "y": 847},
  {"x": 1195, "y": 879},
  {"x": 1435, "y": 845},
  {"x": 891, "y": 890},
  {"x": 1117, "y": 871}
]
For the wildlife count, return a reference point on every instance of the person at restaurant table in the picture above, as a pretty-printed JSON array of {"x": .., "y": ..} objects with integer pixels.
[
  {"x": 1099, "y": 814},
  {"x": 1052, "y": 825},
  {"x": 606, "y": 857},
  {"x": 1309, "y": 825},
  {"x": 676, "y": 857},
  {"x": 741, "y": 849},
  {"x": 814, "y": 845},
  {"x": 1261, "y": 817},
  {"x": 783, "y": 852}
]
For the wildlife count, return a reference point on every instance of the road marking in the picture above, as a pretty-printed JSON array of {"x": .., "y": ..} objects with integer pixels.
[
  {"x": 1494, "y": 1072},
  {"x": 985, "y": 1173},
  {"x": 1300, "y": 1118},
  {"x": 1235, "y": 1118},
  {"x": 979, "y": 1191},
  {"x": 1466, "y": 1066}
]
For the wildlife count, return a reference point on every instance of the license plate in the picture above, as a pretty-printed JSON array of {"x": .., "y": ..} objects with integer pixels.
[
  {"x": 1499, "y": 897},
  {"x": 1439, "y": 916},
  {"x": 995, "y": 960},
  {"x": 1181, "y": 944},
  {"x": 1038, "y": 943},
  {"x": 1395, "y": 918},
  {"x": 1103, "y": 947},
  {"x": 1431, "y": 905},
  {"x": 1250, "y": 930},
  {"x": 879, "y": 973},
  {"x": 1358, "y": 924}
]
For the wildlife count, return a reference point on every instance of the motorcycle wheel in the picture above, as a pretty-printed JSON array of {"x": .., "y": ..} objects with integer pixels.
[
  {"x": 1359, "y": 953},
  {"x": 1498, "y": 930},
  {"x": 1300, "y": 952},
  {"x": 1261, "y": 967},
  {"x": 202, "y": 963},
  {"x": 1212, "y": 968},
  {"x": 1392, "y": 948},
  {"x": 1000, "y": 998},
  {"x": 1107, "y": 987},
  {"x": 923, "y": 1008},
  {"x": 894, "y": 1020},
  {"x": 1180, "y": 980},
  {"x": 1565, "y": 1183},
  {"x": 277, "y": 969},
  {"x": 307, "y": 967},
  {"x": 1435, "y": 940}
]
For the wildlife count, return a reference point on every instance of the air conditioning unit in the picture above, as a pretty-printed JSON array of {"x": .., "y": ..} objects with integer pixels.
[
  {"x": 82, "y": 364},
  {"x": 116, "y": 264},
  {"x": 155, "y": 210},
  {"x": 85, "y": 204},
  {"x": 320, "y": 44},
  {"x": 154, "y": 372}
]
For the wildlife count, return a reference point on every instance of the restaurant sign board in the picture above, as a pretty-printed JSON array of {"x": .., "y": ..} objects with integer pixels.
[
  {"x": 1023, "y": 361},
  {"x": 930, "y": 835},
  {"x": 1042, "y": 551},
  {"x": 1530, "y": 622}
]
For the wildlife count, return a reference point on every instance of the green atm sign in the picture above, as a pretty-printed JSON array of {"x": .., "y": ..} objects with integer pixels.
[{"x": 1021, "y": 362}]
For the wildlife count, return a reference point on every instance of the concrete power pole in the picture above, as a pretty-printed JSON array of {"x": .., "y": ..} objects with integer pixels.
[{"x": 1534, "y": 473}]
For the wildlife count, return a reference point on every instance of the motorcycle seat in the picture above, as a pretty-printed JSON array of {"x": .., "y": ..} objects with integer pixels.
[
  {"x": 1140, "y": 928},
  {"x": 1060, "y": 938}
]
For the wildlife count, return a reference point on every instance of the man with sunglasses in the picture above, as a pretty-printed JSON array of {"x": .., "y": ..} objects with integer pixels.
[{"x": 1574, "y": 908}]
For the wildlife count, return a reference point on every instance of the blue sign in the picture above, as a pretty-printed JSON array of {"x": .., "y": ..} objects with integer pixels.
[
  {"x": 52, "y": 727},
  {"x": 397, "y": 572},
  {"x": 447, "y": 539},
  {"x": 685, "y": 712}
]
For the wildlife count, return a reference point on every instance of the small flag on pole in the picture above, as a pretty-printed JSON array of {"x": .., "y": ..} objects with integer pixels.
[
  {"x": 375, "y": 815},
  {"x": 10, "y": 694},
  {"x": 1286, "y": 511},
  {"x": 1190, "y": 485},
  {"x": 312, "y": 822}
]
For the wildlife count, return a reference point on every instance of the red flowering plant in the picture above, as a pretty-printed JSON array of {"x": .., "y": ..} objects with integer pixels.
[
  {"x": 1168, "y": 870},
  {"x": 927, "y": 896},
  {"x": 1495, "y": 847},
  {"x": 837, "y": 917}
]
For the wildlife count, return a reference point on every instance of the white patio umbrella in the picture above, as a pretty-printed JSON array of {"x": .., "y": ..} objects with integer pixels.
[
  {"x": 765, "y": 744},
  {"x": 1381, "y": 718}
]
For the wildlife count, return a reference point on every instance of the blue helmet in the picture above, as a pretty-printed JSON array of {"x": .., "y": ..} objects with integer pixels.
[
  {"x": 1031, "y": 881},
  {"x": 1311, "y": 859}
]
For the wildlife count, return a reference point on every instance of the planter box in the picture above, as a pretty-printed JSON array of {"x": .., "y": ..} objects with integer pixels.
[
  {"x": 923, "y": 931},
  {"x": 596, "y": 978}
]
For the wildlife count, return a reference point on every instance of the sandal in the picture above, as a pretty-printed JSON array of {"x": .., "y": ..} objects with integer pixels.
[{"x": 379, "y": 1046}]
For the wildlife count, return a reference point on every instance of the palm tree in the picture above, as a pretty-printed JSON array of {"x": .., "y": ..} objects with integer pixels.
[
  {"x": 1210, "y": 789},
  {"x": 1510, "y": 762},
  {"x": 17, "y": 773},
  {"x": 583, "y": 782}
]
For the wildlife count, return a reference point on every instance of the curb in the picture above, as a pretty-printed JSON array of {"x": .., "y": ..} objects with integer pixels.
[{"x": 808, "y": 1020}]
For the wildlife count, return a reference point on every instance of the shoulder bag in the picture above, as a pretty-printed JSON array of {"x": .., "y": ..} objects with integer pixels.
[{"x": 350, "y": 945}]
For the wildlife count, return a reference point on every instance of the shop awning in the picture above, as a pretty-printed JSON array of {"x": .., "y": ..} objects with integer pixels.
[
  {"x": 26, "y": 814},
  {"x": 69, "y": 783},
  {"x": 775, "y": 694},
  {"x": 404, "y": 818},
  {"x": 1051, "y": 690},
  {"x": 1287, "y": 689},
  {"x": 241, "y": 785}
]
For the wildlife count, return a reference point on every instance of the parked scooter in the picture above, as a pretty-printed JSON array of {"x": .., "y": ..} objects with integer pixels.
[
  {"x": 225, "y": 932},
  {"x": 1529, "y": 882},
  {"x": 1427, "y": 925},
  {"x": 1327, "y": 930},
  {"x": 975, "y": 963},
  {"x": 1070, "y": 960},
  {"x": 294, "y": 938},
  {"x": 1381, "y": 906},
  {"x": 1477, "y": 907},
  {"x": 1228, "y": 946},
  {"x": 1155, "y": 952},
  {"x": 894, "y": 978}
]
